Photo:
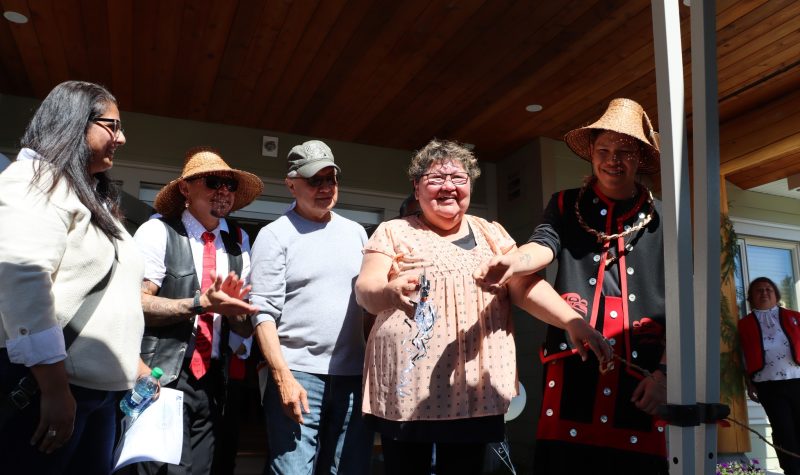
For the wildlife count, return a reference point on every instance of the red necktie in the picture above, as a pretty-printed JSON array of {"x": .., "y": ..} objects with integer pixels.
[{"x": 201, "y": 358}]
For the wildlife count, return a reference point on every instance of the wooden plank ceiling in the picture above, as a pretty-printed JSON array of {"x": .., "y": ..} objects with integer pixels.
[{"x": 396, "y": 73}]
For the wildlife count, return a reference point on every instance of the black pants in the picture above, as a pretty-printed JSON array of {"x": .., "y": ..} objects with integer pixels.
[
  {"x": 781, "y": 401},
  {"x": 563, "y": 458},
  {"x": 201, "y": 420},
  {"x": 412, "y": 458}
]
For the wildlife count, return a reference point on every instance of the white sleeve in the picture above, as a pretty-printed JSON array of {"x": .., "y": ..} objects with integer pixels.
[
  {"x": 151, "y": 239},
  {"x": 33, "y": 240}
]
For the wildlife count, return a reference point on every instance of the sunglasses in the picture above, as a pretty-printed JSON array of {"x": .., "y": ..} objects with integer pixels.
[
  {"x": 214, "y": 182},
  {"x": 115, "y": 125},
  {"x": 317, "y": 181}
]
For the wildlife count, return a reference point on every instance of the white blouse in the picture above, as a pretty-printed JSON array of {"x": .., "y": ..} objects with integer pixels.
[{"x": 778, "y": 362}]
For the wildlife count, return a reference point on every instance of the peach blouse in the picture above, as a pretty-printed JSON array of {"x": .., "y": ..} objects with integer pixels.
[{"x": 470, "y": 366}]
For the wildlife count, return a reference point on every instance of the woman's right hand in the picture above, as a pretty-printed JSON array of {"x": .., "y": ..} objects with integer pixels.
[
  {"x": 56, "y": 419},
  {"x": 493, "y": 273},
  {"x": 398, "y": 292}
]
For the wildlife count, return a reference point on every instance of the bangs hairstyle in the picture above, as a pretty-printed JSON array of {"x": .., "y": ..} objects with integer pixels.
[
  {"x": 57, "y": 132},
  {"x": 439, "y": 151}
]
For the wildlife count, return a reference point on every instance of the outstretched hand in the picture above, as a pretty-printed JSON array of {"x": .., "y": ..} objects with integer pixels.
[
  {"x": 493, "y": 273},
  {"x": 226, "y": 297}
]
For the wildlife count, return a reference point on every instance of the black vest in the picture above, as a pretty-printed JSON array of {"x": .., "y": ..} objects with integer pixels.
[{"x": 166, "y": 346}]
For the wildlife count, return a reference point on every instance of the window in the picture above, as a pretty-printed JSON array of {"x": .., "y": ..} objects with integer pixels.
[{"x": 773, "y": 258}]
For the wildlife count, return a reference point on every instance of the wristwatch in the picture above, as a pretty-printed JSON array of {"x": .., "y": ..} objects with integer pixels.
[{"x": 196, "y": 308}]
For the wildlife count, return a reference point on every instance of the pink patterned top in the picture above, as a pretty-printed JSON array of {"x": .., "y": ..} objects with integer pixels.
[{"x": 470, "y": 367}]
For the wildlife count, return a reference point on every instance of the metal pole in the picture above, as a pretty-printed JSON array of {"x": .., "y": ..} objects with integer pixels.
[
  {"x": 705, "y": 150},
  {"x": 677, "y": 227}
]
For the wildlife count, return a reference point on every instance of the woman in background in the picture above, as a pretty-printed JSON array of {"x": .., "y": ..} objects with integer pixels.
[{"x": 770, "y": 337}]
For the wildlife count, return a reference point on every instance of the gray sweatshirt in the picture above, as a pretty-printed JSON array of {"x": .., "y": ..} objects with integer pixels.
[{"x": 303, "y": 273}]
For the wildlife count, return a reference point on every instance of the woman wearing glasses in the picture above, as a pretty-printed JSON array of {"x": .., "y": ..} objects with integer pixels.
[
  {"x": 440, "y": 365},
  {"x": 61, "y": 233}
]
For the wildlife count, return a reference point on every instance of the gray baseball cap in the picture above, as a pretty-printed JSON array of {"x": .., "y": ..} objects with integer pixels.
[{"x": 309, "y": 158}]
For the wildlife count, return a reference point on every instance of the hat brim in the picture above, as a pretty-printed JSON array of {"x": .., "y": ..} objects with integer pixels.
[
  {"x": 171, "y": 202},
  {"x": 310, "y": 169},
  {"x": 580, "y": 141}
]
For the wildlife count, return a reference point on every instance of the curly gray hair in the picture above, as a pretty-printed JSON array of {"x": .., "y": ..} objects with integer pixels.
[{"x": 438, "y": 151}]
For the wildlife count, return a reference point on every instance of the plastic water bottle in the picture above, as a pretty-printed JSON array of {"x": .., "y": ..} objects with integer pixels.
[{"x": 137, "y": 398}]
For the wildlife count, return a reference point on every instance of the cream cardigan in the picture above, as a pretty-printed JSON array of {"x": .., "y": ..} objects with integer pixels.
[{"x": 50, "y": 258}]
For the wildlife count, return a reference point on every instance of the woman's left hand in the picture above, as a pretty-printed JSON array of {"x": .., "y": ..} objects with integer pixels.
[{"x": 583, "y": 335}]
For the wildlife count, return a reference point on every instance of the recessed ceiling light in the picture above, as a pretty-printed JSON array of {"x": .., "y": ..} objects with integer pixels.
[
  {"x": 533, "y": 107},
  {"x": 15, "y": 17}
]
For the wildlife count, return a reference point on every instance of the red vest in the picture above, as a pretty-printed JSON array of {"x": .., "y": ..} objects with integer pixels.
[{"x": 753, "y": 343}]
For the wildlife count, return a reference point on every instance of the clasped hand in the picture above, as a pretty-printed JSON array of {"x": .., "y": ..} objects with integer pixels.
[{"x": 398, "y": 292}]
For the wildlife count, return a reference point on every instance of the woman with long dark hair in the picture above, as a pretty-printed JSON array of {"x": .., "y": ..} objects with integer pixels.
[{"x": 61, "y": 231}]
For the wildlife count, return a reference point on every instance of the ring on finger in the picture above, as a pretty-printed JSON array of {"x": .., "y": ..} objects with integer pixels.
[{"x": 51, "y": 433}]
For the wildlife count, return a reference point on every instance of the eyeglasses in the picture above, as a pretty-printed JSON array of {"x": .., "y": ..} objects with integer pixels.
[
  {"x": 115, "y": 127},
  {"x": 214, "y": 182},
  {"x": 317, "y": 181},
  {"x": 438, "y": 179}
]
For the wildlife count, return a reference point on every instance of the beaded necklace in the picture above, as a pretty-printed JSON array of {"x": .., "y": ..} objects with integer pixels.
[{"x": 600, "y": 235}]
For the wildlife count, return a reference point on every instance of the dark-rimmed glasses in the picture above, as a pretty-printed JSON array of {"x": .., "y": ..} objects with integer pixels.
[
  {"x": 438, "y": 179},
  {"x": 115, "y": 125},
  {"x": 317, "y": 181},
  {"x": 214, "y": 182}
]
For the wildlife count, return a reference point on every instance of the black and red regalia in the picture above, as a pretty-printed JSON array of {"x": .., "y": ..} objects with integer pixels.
[{"x": 618, "y": 287}]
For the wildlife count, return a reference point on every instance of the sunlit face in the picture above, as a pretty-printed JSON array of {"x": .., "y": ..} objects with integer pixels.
[
  {"x": 615, "y": 161},
  {"x": 205, "y": 202},
  {"x": 103, "y": 141},
  {"x": 762, "y": 296},
  {"x": 315, "y": 202},
  {"x": 444, "y": 203}
]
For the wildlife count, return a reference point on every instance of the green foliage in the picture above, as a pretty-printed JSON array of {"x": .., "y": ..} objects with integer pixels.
[{"x": 731, "y": 368}]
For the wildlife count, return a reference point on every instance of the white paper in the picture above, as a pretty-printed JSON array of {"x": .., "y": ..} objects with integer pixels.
[{"x": 156, "y": 435}]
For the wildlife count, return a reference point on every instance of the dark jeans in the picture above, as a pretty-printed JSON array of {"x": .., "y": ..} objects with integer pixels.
[
  {"x": 781, "y": 401},
  {"x": 411, "y": 458},
  {"x": 564, "y": 458},
  {"x": 88, "y": 452}
]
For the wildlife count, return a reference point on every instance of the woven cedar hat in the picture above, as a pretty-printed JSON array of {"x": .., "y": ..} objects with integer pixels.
[
  {"x": 625, "y": 117},
  {"x": 201, "y": 161}
]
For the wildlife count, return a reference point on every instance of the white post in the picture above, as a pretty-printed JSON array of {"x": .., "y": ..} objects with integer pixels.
[
  {"x": 705, "y": 150},
  {"x": 677, "y": 228}
]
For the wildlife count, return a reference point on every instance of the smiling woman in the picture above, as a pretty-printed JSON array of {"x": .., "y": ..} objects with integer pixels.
[
  {"x": 440, "y": 363},
  {"x": 75, "y": 267}
]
